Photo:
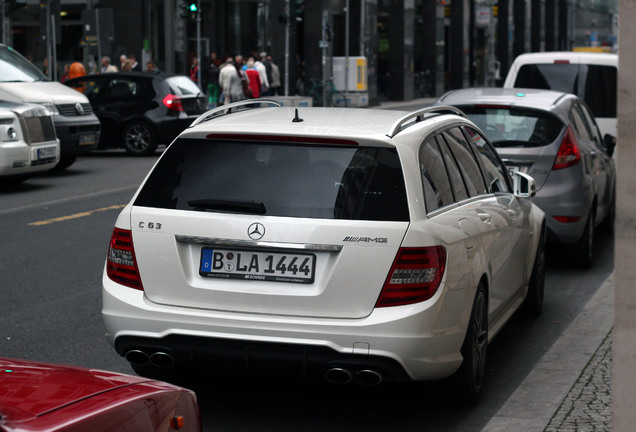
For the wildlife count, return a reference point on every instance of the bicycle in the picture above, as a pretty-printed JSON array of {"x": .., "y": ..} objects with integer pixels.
[{"x": 334, "y": 98}]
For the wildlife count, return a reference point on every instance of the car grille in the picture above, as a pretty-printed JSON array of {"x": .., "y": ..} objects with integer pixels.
[
  {"x": 71, "y": 110},
  {"x": 38, "y": 129}
]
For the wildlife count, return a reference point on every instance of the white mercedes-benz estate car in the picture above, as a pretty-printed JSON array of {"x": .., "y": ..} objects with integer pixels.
[
  {"x": 350, "y": 244},
  {"x": 28, "y": 143}
]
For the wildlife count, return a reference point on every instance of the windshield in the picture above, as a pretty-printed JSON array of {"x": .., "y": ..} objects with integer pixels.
[
  {"x": 595, "y": 84},
  {"x": 515, "y": 127},
  {"x": 276, "y": 179},
  {"x": 15, "y": 68}
]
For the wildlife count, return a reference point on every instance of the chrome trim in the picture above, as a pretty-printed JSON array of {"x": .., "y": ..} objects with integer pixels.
[{"x": 260, "y": 244}]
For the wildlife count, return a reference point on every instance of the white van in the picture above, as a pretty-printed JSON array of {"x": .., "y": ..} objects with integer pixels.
[
  {"x": 76, "y": 125},
  {"x": 593, "y": 76}
]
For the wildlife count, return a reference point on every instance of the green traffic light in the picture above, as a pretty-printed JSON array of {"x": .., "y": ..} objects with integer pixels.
[{"x": 193, "y": 7}]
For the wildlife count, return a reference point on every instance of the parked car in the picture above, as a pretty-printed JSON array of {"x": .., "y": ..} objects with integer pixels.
[
  {"x": 350, "y": 244},
  {"x": 592, "y": 76},
  {"x": 76, "y": 126},
  {"x": 37, "y": 396},
  {"x": 139, "y": 111},
  {"x": 553, "y": 137},
  {"x": 28, "y": 144}
]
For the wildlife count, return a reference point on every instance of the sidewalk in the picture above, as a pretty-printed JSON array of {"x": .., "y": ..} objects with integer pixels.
[{"x": 570, "y": 388}]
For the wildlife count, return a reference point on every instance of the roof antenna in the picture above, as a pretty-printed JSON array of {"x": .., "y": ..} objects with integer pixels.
[{"x": 297, "y": 119}]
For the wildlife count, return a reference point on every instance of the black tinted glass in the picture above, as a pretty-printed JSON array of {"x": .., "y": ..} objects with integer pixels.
[
  {"x": 437, "y": 188},
  {"x": 595, "y": 84},
  {"x": 344, "y": 182},
  {"x": 515, "y": 127}
]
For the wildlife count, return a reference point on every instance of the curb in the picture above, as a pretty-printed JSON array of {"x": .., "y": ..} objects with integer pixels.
[{"x": 536, "y": 401}]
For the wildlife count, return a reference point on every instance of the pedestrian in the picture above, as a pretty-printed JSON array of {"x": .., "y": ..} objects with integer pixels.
[
  {"x": 262, "y": 72},
  {"x": 135, "y": 67},
  {"x": 194, "y": 70},
  {"x": 107, "y": 67},
  {"x": 127, "y": 66},
  {"x": 275, "y": 83},
  {"x": 64, "y": 76},
  {"x": 76, "y": 69},
  {"x": 122, "y": 60},
  {"x": 212, "y": 79},
  {"x": 230, "y": 82},
  {"x": 268, "y": 71},
  {"x": 254, "y": 78},
  {"x": 151, "y": 67}
]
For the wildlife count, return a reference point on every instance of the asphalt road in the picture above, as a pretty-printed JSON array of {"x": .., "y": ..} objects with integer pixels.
[{"x": 54, "y": 232}]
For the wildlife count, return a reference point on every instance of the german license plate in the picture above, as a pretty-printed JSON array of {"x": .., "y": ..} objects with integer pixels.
[
  {"x": 46, "y": 153},
  {"x": 87, "y": 139},
  {"x": 257, "y": 265}
]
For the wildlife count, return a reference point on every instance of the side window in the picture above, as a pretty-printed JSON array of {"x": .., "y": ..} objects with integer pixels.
[
  {"x": 466, "y": 161},
  {"x": 495, "y": 172},
  {"x": 580, "y": 125},
  {"x": 437, "y": 188},
  {"x": 593, "y": 128},
  {"x": 121, "y": 89},
  {"x": 457, "y": 182}
]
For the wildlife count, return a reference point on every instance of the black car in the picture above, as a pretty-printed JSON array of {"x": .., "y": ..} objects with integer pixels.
[{"x": 139, "y": 111}]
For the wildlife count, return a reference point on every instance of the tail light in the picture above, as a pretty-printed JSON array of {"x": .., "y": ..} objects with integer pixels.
[
  {"x": 415, "y": 276},
  {"x": 568, "y": 154},
  {"x": 121, "y": 264},
  {"x": 173, "y": 102}
]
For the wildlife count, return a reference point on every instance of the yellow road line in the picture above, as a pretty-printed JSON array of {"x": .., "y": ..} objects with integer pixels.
[{"x": 76, "y": 215}]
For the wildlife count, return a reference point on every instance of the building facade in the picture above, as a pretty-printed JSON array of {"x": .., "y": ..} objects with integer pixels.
[{"x": 413, "y": 48}]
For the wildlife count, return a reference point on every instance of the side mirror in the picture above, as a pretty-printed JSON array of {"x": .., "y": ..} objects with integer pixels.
[
  {"x": 609, "y": 142},
  {"x": 523, "y": 185}
]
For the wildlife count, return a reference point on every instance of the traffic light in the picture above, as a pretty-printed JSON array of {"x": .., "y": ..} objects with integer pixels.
[
  {"x": 298, "y": 10},
  {"x": 188, "y": 9}
]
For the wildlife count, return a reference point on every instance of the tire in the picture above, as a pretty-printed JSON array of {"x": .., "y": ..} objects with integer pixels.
[
  {"x": 65, "y": 161},
  {"x": 467, "y": 382},
  {"x": 139, "y": 138},
  {"x": 533, "y": 304},
  {"x": 584, "y": 248}
]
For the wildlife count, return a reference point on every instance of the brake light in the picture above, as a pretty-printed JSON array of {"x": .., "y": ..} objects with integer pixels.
[
  {"x": 415, "y": 276},
  {"x": 121, "y": 264},
  {"x": 562, "y": 62},
  {"x": 568, "y": 154},
  {"x": 282, "y": 138},
  {"x": 173, "y": 102},
  {"x": 567, "y": 219}
]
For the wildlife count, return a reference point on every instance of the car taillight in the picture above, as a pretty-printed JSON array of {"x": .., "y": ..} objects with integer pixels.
[
  {"x": 173, "y": 102},
  {"x": 568, "y": 154},
  {"x": 121, "y": 265},
  {"x": 567, "y": 219},
  {"x": 415, "y": 276}
]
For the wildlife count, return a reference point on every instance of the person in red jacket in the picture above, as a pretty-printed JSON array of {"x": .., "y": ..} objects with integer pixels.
[{"x": 254, "y": 78}]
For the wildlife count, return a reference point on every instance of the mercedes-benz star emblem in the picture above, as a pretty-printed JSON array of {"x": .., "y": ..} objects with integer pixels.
[
  {"x": 79, "y": 108},
  {"x": 256, "y": 231}
]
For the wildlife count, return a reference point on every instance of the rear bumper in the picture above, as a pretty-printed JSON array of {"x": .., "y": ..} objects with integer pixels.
[{"x": 419, "y": 342}]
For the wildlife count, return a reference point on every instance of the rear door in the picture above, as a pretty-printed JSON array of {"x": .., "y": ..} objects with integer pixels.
[{"x": 270, "y": 227}]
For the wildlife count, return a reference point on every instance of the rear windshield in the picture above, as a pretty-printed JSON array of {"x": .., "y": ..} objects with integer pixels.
[
  {"x": 279, "y": 179},
  {"x": 595, "y": 84},
  {"x": 182, "y": 86},
  {"x": 515, "y": 127}
]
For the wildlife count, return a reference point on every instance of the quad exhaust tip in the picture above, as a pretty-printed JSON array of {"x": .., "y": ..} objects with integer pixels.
[
  {"x": 364, "y": 377},
  {"x": 157, "y": 359}
]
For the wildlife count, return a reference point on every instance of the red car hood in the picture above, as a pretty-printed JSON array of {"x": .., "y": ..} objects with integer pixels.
[{"x": 29, "y": 389}]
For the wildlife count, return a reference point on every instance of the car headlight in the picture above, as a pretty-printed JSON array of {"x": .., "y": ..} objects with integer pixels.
[
  {"x": 51, "y": 109},
  {"x": 12, "y": 134}
]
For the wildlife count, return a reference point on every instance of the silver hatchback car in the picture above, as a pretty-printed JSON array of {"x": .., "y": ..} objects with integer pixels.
[{"x": 553, "y": 137}]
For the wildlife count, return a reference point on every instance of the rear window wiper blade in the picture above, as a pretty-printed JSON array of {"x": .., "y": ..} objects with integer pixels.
[{"x": 251, "y": 207}]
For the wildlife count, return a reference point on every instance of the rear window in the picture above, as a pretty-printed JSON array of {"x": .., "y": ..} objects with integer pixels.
[
  {"x": 595, "y": 84},
  {"x": 515, "y": 127},
  {"x": 182, "y": 86},
  {"x": 279, "y": 179}
]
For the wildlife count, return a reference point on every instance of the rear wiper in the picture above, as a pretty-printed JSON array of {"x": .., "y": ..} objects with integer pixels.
[{"x": 251, "y": 207}]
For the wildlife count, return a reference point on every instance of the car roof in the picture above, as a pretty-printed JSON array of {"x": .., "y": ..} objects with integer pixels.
[
  {"x": 530, "y": 98},
  {"x": 352, "y": 123},
  {"x": 576, "y": 57}
]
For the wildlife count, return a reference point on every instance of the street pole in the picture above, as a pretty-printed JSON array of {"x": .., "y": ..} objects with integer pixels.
[
  {"x": 199, "y": 43},
  {"x": 287, "y": 30}
]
